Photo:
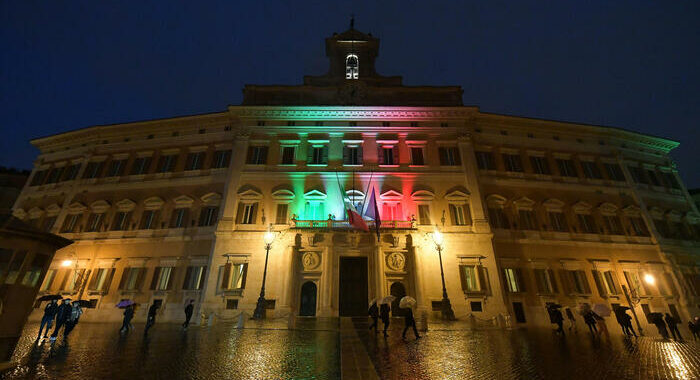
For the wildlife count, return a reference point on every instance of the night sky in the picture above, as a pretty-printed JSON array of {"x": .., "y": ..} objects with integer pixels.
[{"x": 71, "y": 64}]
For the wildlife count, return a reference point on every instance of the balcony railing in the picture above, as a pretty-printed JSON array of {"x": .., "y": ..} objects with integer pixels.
[{"x": 344, "y": 224}]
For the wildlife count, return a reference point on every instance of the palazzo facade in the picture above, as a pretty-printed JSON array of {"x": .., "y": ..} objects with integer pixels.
[{"x": 532, "y": 211}]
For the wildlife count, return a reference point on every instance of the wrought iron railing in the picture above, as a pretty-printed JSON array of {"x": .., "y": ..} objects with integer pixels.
[{"x": 344, "y": 224}]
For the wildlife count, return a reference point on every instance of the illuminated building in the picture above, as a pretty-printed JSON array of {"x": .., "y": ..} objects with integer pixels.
[{"x": 532, "y": 211}]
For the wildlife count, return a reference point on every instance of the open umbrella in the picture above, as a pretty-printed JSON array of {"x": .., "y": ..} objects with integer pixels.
[
  {"x": 583, "y": 308},
  {"x": 553, "y": 306},
  {"x": 82, "y": 303},
  {"x": 373, "y": 301},
  {"x": 387, "y": 300},
  {"x": 49, "y": 297},
  {"x": 601, "y": 309},
  {"x": 124, "y": 303},
  {"x": 407, "y": 302}
]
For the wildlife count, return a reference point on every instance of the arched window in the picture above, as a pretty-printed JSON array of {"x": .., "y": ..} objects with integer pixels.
[{"x": 352, "y": 67}]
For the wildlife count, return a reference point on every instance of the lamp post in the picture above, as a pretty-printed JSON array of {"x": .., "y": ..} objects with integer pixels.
[
  {"x": 259, "y": 312},
  {"x": 633, "y": 299},
  {"x": 446, "y": 308}
]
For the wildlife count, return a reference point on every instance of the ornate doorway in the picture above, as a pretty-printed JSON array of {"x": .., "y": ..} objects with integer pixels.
[
  {"x": 307, "y": 306},
  {"x": 397, "y": 290},
  {"x": 353, "y": 287}
]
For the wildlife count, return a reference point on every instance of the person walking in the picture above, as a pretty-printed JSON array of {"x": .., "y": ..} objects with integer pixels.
[
  {"x": 557, "y": 318},
  {"x": 570, "y": 316},
  {"x": 128, "y": 315},
  {"x": 409, "y": 322},
  {"x": 693, "y": 330},
  {"x": 151, "y": 317},
  {"x": 590, "y": 321},
  {"x": 658, "y": 320},
  {"x": 600, "y": 323},
  {"x": 47, "y": 319},
  {"x": 672, "y": 324},
  {"x": 384, "y": 314},
  {"x": 374, "y": 314},
  {"x": 73, "y": 318},
  {"x": 627, "y": 324},
  {"x": 188, "y": 314},
  {"x": 62, "y": 313}
]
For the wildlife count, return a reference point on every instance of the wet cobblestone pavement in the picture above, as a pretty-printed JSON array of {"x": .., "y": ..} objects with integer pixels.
[{"x": 319, "y": 349}]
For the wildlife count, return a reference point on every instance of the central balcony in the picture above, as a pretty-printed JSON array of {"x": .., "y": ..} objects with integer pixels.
[{"x": 345, "y": 225}]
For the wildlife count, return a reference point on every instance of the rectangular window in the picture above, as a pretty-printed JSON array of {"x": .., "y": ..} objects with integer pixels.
[
  {"x": 55, "y": 174},
  {"x": 208, "y": 216},
  {"x": 233, "y": 276},
  {"x": 167, "y": 163},
  {"x": 121, "y": 221},
  {"x": 558, "y": 221},
  {"x": 222, "y": 158},
  {"x": 281, "y": 216},
  {"x": 566, "y": 168},
  {"x": 540, "y": 165},
  {"x": 424, "y": 215},
  {"x": 39, "y": 177},
  {"x": 614, "y": 172},
  {"x": 590, "y": 170},
  {"x": 613, "y": 224},
  {"x": 653, "y": 177},
  {"x": 194, "y": 278},
  {"x": 469, "y": 277},
  {"x": 71, "y": 223},
  {"x": 449, "y": 156},
  {"x": 579, "y": 282},
  {"x": 288, "y": 155},
  {"x": 140, "y": 166},
  {"x": 638, "y": 175},
  {"x": 392, "y": 211},
  {"x": 149, "y": 219},
  {"x": 633, "y": 282},
  {"x": 179, "y": 218},
  {"x": 512, "y": 162},
  {"x": 527, "y": 220},
  {"x": 498, "y": 218},
  {"x": 545, "y": 281},
  {"x": 93, "y": 170},
  {"x": 459, "y": 215},
  {"x": 33, "y": 272},
  {"x": 587, "y": 223},
  {"x": 247, "y": 213},
  {"x": 48, "y": 280},
  {"x": 388, "y": 155},
  {"x": 485, "y": 160},
  {"x": 95, "y": 221},
  {"x": 257, "y": 155},
  {"x": 671, "y": 180},
  {"x": 73, "y": 280},
  {"x": 352, "y": 155},
  {"x": 514, "y": 281},
  {"x": 610, "y": 283},
  {"x": 318, "y": 155},
  {"x": 48, "y": 223},
  {"x": 162, "y": 278},
  {"x": 194, "y": 161},
  {"x": 71, "y": 172},
  {"x": 101, "y": 280},
  {"x": 639, "y": 226},
  {"x": 116, "y": 168},
  {"x": 417, "y": 156},
  {"x": 132, "y": 278}
]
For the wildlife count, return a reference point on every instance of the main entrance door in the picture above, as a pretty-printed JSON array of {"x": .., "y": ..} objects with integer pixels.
[{"x": 353, "y": 286}]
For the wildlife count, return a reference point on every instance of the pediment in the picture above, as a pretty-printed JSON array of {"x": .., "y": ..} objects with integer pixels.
[
  {"x": 76, "y": 207},
  {"x": 211, "y": 199},
  {"x": 183, "y": 201},
  {"x": 125, "y": 205},
  {"x": 283, "y": 194},
  {"x": 314, "y": 194},
  {"x": 391, "y": 195},
  {"x": 457, "y": 195},
  {"x": 100, "y": 206},
  {"x": 423, "y": 195},
  {"x": 153, "y": 203}
]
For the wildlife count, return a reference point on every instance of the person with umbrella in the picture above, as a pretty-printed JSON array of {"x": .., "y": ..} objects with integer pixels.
[
  {"x": 151, "y": 317},
  {"x": 62, "y": 314},
  {"x": 694, "y": 328},
  {"x": 590, "y": 319},
  {"x": 658, "y": 320},
  {"x": 374, "y": 314},
  {"x": 188, "y": 314},
  {"x": 128, "y": 315},
  {"x": 556, "y": 317},
  {"x": 384, "y": 310},
  {"x": 407, "y": 303},
  {"x": 572, "y": 319},
  {"x": 47, "y": 319},
  {"x": 73, "y": 318},
  {"x": 672, "y": 324}
]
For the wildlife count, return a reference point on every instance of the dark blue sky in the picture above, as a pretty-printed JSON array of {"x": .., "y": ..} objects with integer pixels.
[{"x": 70, "y": 64}]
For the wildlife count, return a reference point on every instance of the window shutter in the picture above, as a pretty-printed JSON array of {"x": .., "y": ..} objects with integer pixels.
[
  {"x": 173, "y": 273},
  {"x": 245, "y": 275},
  {"x": 565, "y": 281},
  {"x": 309, "y": 154},
  {"x": 254, "y": 213},
  {"x": 442, "y": 153},
  {"x": 457, "y": 157},
  {"x": 239, "y": 213},
  {"x": 521, "y": 279},
  {"x": 202, "y": 278},
  {"x": 555, "y": 288},
  {"x": 108, "y": 280},
  {"x": 93, "y": 281},
  {"x": 484, "y": 279},
  {"x": 154, "y": 281},
  {"x": 599, "y": 282},
  {"x": 188, "y": 274},
  {"x": 453, "y": 216},
  {"x": 324, "y": 155},
  {"x": 586, "y": 286},
  {"x": 125, "y": 275},
  {"x": 346, "y": 154},
  {"x": 226, "y": 278},
  {"x": 249, "y": 157},
  {"x": 65, "y": 278},
  {"x": 395, "y": 153},
  {"x": 380, "y": 155},
  {"x": 140, "y": 278},
  {"x": 463, "y": 277},
  {"x": 360, "y": 149},
  {"x": 467, "y": 214}
]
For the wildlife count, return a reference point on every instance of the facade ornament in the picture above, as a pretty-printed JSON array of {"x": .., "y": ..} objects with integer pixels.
[
  {"x": 396, "y": 261},
  {"x": 310, "y": 260}
]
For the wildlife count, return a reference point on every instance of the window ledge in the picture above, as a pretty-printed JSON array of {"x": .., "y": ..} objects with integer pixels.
[
  {"x": 417, "y": 166},
  {"x": 316, "y": 164},
  {"x": 287, "y": 165},
  {"x": 388, "y": 166},
  {"x": 353, "y": 165}
]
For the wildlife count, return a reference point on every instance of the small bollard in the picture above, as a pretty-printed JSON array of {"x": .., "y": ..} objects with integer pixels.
[
  {"x": 291, "y": 321},
  {"x": 424, "y": 321},
  {"x": 210, "y": 322},
  {"x": 241, "y": 321}
]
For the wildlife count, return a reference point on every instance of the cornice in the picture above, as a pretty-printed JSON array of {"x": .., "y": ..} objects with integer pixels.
[{"x": 352, "y": 113}]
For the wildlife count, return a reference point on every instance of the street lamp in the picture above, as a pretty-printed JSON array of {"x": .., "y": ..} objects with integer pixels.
[
  {"x": 649, "y": 279},
  {"x": 259, "y": 312},
  {"x": 446, "y": 308},
  {"x": 633, "y": 299}
]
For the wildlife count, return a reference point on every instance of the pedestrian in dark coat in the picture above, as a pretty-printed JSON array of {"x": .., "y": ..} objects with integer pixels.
[
  {"x": 409, "y": 322},
  {"x": 672, "y": 324},
  {"x": 47, "y": 319},
  {"x": 188, "y": 314},
  {"x": 693, "y": 330},
  {"x": 128, "y": 315},
  {"x": 151, "y": 320},
  {"x": 73, "y": 318},
  {"x": 572, "y": 319},
  {"x": 62, "y": 314},
  {"x": 627, "y": 324},
  {"x": 589, "y": 318},
  {"x": 384, "y": 314},
  {"x": 658, "y": 320},
  {"x": 557, "y": 318},
  {"x": 374, "y": 314}
]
